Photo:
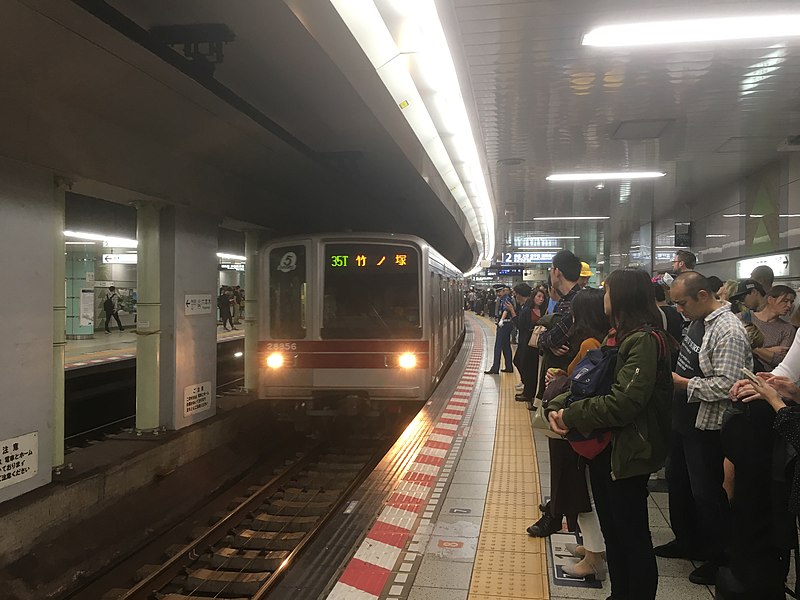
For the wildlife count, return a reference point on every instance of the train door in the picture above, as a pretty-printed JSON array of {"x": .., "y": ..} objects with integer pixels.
[
  {"x": 286, "y": 313},
  {"x": 434, "y": 325},
  {"x": 440, "y": 329}
]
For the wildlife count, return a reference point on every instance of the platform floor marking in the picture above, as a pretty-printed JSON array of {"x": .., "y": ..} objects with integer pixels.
[{"x": 366, "y": 573}]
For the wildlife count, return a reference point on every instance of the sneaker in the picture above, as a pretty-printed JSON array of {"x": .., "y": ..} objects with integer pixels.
[
  {"x": 705, "y": 574},
  {"x": 546, "y": 526},
  {"x": 519, "y": 387},
  {"x": 506, "y": 370}
]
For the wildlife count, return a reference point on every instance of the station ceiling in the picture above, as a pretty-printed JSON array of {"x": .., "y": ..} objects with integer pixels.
[{"x": 705, "y": 114}]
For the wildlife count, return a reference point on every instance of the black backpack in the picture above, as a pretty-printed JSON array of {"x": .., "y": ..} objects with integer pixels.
[{"x": 108, "y": 305}]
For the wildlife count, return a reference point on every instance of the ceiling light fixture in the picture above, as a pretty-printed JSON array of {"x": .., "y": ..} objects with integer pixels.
[
  {"x": 734, "y": 216},
  {"x": 406, "y": 44},
  {"x": 569, "y": 218},
  {"x": 694, "y": 30},
  {"x": 716, "y": 235},
  {"x": 621, "y": 175},
  {"x": 108, "y": 240},
  {"x": 230, "y": 256}
]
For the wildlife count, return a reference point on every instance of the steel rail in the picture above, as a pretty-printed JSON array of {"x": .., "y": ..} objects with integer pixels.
[
  {"x": 279, "y": 573},
  {"x": 164, "y": 574}
]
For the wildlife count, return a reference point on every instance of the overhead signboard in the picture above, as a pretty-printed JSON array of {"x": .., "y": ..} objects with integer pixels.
[
  {"x": 522, "y": 258},
  {"x": 227, "y": 266},
  {"x": 779, "y": 263}
]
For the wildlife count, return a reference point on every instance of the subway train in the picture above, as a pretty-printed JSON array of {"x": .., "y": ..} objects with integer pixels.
[{"x": 372, "y": 318}]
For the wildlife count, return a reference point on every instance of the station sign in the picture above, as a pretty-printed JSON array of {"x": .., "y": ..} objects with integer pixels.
[
  {"x": 231, "y": 266},
  {"x": 120, "y": 259},
  {"x": 19, "y": 458},
  {"x": 779, "y": 263},
  {"x": 196, "y": 398},
  {"x": 197, "y": 304},
  {"x": 521, "y": 258}
]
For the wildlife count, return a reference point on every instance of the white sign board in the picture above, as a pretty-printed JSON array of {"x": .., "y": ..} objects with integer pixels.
[
  {"x": 89, "y": 276},
  {"x": 87, "y": 308},
  {"x": 198, "y": 304},
  {"x": 196, "y": 398},
  {"x": 19, "y": 459},
  {"x": 779, "y": 263},
  {"x": 120, "y": 259}
]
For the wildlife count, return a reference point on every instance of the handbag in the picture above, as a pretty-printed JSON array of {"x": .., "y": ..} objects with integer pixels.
[
  {"x": 540, "y": 423},
  {"x": 537, "y": 330}
]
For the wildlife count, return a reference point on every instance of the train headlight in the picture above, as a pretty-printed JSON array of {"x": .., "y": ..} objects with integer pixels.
[
  {"x": 407, "y": 361},
  {"x": 275, "y": 360}
]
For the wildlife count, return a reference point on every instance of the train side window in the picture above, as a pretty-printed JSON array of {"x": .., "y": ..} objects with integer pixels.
[{"x": 287, "y": 292}]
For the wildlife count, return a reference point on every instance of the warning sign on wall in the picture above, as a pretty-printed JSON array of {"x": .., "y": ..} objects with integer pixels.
[
  {"x": 19, "y": 459},
  {"x": 196, "y": 398}
]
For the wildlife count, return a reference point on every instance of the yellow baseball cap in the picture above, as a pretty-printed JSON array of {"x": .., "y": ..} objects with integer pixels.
[{"x": 586, "y": 271}]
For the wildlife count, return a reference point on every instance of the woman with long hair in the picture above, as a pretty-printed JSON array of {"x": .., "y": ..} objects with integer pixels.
[
  {"x": 528, "y": 363},
  {"x": 637, "y": 413}
]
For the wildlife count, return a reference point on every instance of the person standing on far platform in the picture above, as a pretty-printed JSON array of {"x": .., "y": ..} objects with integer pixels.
[
  {"x": 224, "y": 305},
  {"x": 111, "y": 307}
]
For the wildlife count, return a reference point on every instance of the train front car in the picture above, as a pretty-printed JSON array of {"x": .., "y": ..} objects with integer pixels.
[{"x": 344, "y": 322}]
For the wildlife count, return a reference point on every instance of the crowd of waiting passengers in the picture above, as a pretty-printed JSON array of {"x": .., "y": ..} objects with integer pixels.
[{"x": 653, "y": 372}]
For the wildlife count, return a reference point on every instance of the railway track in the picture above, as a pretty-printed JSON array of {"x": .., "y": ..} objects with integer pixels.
[{"x": 246, "y": 551}]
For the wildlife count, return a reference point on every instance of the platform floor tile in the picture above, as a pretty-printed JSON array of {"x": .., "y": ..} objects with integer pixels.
[{"x": 509, "y": 564}]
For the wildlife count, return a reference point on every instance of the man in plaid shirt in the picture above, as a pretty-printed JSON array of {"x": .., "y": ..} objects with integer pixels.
[{"x": 712, "y": 354}]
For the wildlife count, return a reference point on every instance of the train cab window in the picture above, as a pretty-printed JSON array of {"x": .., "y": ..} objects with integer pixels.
[
  {"x": 371, "y": 292},
  {"x": 287, "y": 293}
]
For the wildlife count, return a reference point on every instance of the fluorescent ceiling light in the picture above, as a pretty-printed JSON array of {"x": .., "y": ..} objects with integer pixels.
[
  {"x": 716, "y": 235},
  {"x": 733, "y": 216},
  {"x": 605, "y": 176},
  {"x": 86, "y": 243},
  {"x": 789, "y": 216},
  {"x": 406, "y": 44},
  {"x": 230, "y": 256},
  {"x": 569, "y": 218},
  {"x": 108, "y": 241},
  {"x": 694, "y": 30}
]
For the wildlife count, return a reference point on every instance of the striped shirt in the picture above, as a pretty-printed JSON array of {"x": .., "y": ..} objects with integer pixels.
[{"x": 723, "y": 353}]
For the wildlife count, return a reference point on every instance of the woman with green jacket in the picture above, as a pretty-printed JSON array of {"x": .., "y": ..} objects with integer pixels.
[{"x": 637, "y": 411}]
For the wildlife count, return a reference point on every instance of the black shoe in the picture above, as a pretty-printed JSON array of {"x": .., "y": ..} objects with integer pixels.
[
  {"x": 545, "y": 526},
  {"x": 107, "y": 331},
  {"x": 506, "y": 370},
  {"x": 522, "y": 398},
  {"x": 490, "y": 372},
  {"x": 705, "y": 574},
  {"x": 674, "y": 549}
]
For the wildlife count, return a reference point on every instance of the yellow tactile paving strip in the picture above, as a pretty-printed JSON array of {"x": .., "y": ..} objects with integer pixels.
[{"x": 509, "y": 563}]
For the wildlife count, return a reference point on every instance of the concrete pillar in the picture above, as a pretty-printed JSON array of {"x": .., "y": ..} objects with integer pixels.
[
  {"x": 251, "y": 250},
  {"x": 59, "y": 320},
  {"x": 148, "y": 329},
  {"x": 188, "y": 316}
]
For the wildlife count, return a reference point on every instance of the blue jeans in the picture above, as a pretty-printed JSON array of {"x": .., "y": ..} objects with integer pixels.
[{"x": 502, "y": 345}]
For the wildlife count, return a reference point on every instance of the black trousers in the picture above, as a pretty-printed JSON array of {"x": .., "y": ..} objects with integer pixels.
[
  {"x": 116, "y": 318},
  {"x": 622, "y": 510},
  {"x": 698, "y": 506}
]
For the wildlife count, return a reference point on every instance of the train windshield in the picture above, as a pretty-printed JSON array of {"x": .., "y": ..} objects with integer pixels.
[
  {"x": 287, "y": 293},
  {"x": 371, "y": 292}
]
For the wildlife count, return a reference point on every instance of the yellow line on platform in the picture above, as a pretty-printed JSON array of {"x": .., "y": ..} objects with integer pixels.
[{"x": 509, "y": 563}]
